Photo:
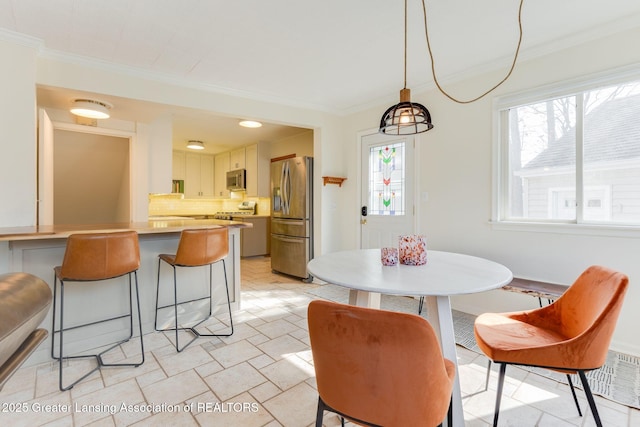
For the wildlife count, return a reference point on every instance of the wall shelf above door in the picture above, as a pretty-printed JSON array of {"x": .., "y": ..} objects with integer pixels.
[{"x": 333, "y": 180}]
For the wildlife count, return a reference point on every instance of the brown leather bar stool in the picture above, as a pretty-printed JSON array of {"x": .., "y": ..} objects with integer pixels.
[
  {"x": 90, "y": 258},
  {"x": 197, "y": 248}
]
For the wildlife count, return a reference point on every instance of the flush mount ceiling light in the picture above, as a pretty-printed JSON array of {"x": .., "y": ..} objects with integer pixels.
[
  {"x": 195, "y": 145},
  {"x": 406, "y": 117},
  {"x": 91, "y": 109},
  {"x": 250, "y": 124}
]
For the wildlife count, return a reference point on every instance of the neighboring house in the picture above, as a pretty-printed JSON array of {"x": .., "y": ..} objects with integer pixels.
[{"x": 611, "y": 171}]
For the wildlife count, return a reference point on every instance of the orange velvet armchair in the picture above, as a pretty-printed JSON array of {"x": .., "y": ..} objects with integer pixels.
[
  {"x": 377, "y": 367},
  {"x": 570, "y": 335}
]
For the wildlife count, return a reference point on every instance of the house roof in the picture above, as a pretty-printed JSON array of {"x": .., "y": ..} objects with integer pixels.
[{"x": 611, "y": 132}]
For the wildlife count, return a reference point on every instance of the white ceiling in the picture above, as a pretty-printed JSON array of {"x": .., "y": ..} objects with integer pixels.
[{"x": 331, "y": 55}]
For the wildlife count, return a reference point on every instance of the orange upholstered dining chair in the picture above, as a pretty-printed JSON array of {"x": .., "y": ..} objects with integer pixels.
[
  {"x": 377, "y": 367},
  {"x": 570, "y": 335}
]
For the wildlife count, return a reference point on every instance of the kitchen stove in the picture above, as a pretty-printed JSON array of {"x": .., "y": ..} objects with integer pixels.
[
  {"x": 228, "y": 215},
  {"x": 247, "y": 207}
]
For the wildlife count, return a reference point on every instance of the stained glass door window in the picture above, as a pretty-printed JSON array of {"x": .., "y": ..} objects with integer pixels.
[{"x": 387, "y": 179}]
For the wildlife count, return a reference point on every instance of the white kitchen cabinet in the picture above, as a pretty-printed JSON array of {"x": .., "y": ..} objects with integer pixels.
[
  {"x": 179, "y": 165},
  {"x": 257, "y": 165},
  {"x": 199, "y": 175},
  {"x": 237, "y": 159},
  {"x": 221, "y": 168}
]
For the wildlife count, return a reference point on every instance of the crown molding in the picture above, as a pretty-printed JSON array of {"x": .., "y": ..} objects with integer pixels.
[
  {"x": 21, "y": 39},
  {"x": 173, "y": 80},
  {"x": 527, "y": 54}
]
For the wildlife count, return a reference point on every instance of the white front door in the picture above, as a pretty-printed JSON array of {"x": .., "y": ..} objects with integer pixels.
[{"x": 387, "y": 205}]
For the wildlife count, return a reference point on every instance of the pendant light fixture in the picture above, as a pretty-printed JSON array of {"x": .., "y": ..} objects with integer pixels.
[
  {"x": 406, "y": 117},
  {"x": 91, "y": 109}
]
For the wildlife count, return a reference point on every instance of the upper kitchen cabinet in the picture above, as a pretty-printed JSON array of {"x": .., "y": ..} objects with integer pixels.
[
  {"x": 221, "y": 168},
  {"x": 257, "y": 165},
  {"x": 237, "y": 159},
  {"x": 199, "y": 175},
  {"x": 179, "y": 165}
]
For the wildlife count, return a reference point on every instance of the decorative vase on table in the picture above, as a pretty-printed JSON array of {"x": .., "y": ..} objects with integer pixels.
[
  {"x": 413, "y": 249},
  {"x": 389, "y": 256}
]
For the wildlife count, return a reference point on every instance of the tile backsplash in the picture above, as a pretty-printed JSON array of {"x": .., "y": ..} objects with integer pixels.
[{"x": 176, "y": 205}]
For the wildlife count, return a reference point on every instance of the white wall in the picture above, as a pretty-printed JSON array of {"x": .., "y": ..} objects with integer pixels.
[
  {"x": 91, "y": 178},
  {"x": 17, "y": 134},
  {"x": 300, "y": 144},
  {"x": 454, "y": 163},
  {"x": 160, "y": 155}
]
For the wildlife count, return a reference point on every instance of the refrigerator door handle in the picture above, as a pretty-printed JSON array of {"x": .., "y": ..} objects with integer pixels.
[
  {"x": 283, "y": 196},
  {"x": 293, "y": 221},
  {"x": 290, "y": 239},
  {"x": 286, "y": 188}
]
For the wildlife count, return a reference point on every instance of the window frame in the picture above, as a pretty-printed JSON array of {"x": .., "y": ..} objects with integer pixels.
[{"x": 500, "y": 149}]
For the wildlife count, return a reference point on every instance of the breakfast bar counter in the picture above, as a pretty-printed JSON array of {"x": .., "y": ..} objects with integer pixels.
[
  {"x": 37, "y": 250},
  {"x": 154, "y": 226}
]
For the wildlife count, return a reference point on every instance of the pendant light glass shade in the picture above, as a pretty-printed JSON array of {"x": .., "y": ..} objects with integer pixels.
[
  {"x": 406, "y": 117},
  {"x": 91, "y": 109}
]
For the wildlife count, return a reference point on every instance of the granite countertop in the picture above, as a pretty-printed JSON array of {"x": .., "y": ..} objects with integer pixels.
[{"x": 153, "y": 226}]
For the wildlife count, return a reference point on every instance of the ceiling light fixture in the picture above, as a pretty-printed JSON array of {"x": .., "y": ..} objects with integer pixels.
[
  {"x": 91, "y": 109},
  {"x": 250, "y": 124},
  {"x": 195, "y": 145},
  {"x": 406, "y": 117}
]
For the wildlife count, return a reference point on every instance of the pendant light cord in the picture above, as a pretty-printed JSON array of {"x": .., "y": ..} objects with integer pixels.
[
  {"x": 405, "y": 44},
  {"x": 433, "y": 67}
]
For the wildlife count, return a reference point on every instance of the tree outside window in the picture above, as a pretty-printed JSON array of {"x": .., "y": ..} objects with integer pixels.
[{"x": 574, "y": 158}]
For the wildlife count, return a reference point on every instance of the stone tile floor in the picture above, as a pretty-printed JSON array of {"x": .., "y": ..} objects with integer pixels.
[{"x": 261, "y": 376}]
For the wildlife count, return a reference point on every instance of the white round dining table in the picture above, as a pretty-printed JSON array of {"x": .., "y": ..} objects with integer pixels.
[{"x": 444, "y": 274}]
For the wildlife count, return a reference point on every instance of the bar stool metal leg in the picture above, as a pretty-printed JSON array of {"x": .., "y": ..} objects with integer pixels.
[
  {"x": 98, "y": 356},
  {"x": 196, "y": 334}
]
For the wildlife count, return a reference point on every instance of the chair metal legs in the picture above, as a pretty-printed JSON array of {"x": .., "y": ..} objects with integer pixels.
[
  {"x": 192, "y": 329},
  {"x": 324, "y": 407},
  {"x": 592, "y": 403},
  {"x": 320, "y": 412},
  {"x": 61, "y": 358},
  {"x": 486, "y": 382},
  {"x": 503, "y": 369},
  {"x": 573, "y": 392},
  {"x": 585, "y": 385}
]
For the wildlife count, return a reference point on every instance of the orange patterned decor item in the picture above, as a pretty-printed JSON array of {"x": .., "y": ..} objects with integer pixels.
[{"x": 413, "y": 250}]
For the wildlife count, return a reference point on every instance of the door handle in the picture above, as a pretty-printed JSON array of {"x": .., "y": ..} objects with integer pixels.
[{"x": 363, "y": 221}]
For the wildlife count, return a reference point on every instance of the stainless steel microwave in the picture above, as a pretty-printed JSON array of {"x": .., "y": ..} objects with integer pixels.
[{"x": 236, "y": 180}]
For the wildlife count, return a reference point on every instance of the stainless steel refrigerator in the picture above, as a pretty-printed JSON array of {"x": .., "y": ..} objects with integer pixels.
[{"x": 292, "y": 215}]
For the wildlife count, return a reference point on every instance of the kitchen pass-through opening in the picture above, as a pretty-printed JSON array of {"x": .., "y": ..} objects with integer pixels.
[{"x": 91, "y": 178}]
